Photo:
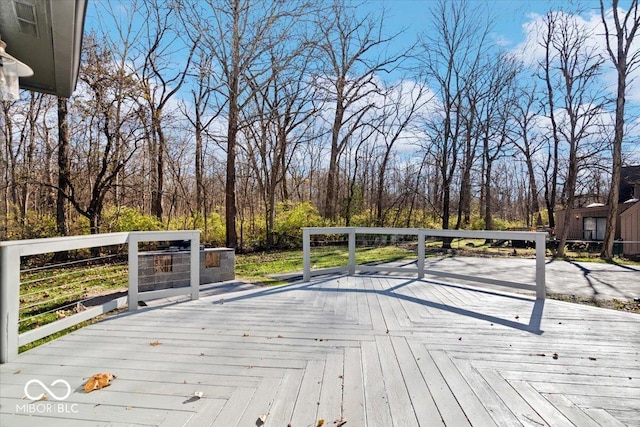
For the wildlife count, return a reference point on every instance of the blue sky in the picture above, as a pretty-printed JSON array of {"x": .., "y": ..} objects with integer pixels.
[{"x": 510, "y": 15}]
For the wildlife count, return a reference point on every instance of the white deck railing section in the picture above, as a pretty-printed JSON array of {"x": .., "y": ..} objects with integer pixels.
[
  {"x": 538, "y": 237},
  {"x": 11, "y": 251}
]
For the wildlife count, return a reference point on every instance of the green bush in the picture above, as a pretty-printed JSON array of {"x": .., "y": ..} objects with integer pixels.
[
  {"x": 291, "y": 218},
  {"x": 38, "y": 225},
  {"x": 128, "y": 219},
  {"x": 214, "y": 232}
]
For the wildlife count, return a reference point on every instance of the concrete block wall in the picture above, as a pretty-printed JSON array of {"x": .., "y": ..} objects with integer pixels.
[{"x": 170, "y": 269}]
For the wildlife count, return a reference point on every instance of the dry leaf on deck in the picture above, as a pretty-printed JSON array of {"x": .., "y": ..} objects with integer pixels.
[
  {"x": 98, "y": 381},
  {"x": 155, "y": 343},
  {"x": 320, "y": 423}
]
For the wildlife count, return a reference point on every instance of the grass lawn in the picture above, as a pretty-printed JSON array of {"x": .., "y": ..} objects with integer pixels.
[{"x": 257, "y": 267}]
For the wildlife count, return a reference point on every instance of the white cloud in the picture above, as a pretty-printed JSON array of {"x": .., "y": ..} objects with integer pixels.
[{"x": 531, "y": 52}]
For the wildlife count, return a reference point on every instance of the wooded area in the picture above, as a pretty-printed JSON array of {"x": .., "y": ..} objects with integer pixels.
[{"x": 248, "y": 119}]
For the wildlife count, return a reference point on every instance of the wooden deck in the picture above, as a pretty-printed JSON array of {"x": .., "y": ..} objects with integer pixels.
[{"x": 354, "y": 351}]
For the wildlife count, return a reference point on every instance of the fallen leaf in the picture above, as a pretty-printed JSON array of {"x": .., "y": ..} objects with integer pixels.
[
  {"x": 61, "y": 314},
  {"x": 98, "y": 381},
  {"x": 555, "y": 355},
  {"x": 320, "y": 423},
  {"x": 154, "y": 343},
  {"x": 460, "y": 339},
  {"x": 280, "y": 336},
  {"x": 245, "y": 334},
  {"x": 517, "y": 317},
  {"x": 128, "y": 408},
  {"x": 261, "y": 419},
  {"x": 592, "y": 358}
]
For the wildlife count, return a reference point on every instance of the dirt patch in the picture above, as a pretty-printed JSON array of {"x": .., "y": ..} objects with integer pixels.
[{"x": 631, "y": 306}]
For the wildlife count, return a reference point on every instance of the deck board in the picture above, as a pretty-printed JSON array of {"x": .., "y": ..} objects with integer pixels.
[{"x": 371, "y": 350}]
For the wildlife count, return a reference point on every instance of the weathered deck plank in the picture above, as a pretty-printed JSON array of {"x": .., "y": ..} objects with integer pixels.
[{"x": 370, "y": 350}]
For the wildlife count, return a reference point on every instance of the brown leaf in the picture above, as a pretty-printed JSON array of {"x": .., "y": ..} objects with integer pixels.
[
  {"x": 154, "y": 343},
  {"x": 98, "y": 381},
  {"x": 245, "y": 334},
  {"x": 320, "y": 423}
]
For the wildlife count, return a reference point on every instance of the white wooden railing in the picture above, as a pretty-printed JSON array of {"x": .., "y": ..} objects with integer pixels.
[
  {"x": 11, "y": 251},
  {"x": 538, "y": 237}
]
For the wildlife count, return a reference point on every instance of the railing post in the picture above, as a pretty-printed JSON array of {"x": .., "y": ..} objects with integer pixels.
[
  {"x": 133, "y": 272},
  {"x": 195, "y": 265},
  {"x": 9, "y": 302},
  {"x": 306, "y": 255},
  {"x": 541, "y": 249},
  {"x": 420, "y": 254},
  {"x": 352, "y": 251}
]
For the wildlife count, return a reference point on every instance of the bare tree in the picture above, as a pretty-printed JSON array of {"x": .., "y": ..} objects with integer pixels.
[
  {"x": 495, "y": 125},
  {"x": 63, "y": 166},
  {"x": 402, "y": 106},
  {"x": 625, "y": 61},
  {"x": 109, "y": 138},
  {"x": 162, "y": 78},
  {"x": 280, "y": 120},
  {"x": 528, "y": 142},
  {"x": 453, "y": 51},
  {"x": 238, "y": 33},
  {"x": 201, "y": 112},
  {"x": 571, "y": 68},
  {"x": 348, "y": 44}
]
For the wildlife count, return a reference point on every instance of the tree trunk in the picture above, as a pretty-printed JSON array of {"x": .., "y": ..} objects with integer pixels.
[{"x": 63, "y": 167}]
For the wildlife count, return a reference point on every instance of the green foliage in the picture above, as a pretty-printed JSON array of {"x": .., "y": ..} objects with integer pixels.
[
  {"x": 212, "y": 230},
  {"x": 129, "y": 219},
  {"x": 364, "y": 218},
  {"x": 39, "y": 225},
  {"x": 477, "y": 223},
  {"x": 291, "y": 218}
]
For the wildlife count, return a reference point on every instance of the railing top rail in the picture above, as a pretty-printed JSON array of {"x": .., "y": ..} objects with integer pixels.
[
  {"x": 480, "y": 234},
  {"x": 66, "y": 243}
]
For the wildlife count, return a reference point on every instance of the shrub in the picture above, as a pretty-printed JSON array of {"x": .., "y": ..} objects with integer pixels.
[
  {"x": 291, "y": 218},
  {"x": 129, "y": 219}
]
